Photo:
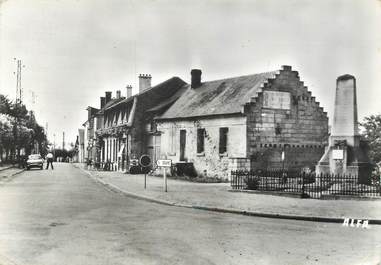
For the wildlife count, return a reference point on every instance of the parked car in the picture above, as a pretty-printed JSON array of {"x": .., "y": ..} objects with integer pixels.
[{"x": 35, "y": 160}]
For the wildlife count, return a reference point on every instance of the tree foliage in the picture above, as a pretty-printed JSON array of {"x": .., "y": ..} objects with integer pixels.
[
  {"x": 371, "y": 130},
  {"x": 19, "y": 129}
]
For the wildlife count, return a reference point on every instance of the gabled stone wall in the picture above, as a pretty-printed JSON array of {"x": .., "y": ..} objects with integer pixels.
[{"x": 300, "y": 131}]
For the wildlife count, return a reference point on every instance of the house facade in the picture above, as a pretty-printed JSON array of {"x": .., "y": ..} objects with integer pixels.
[
  {"x": 126, "y": 128},
  {"x": 82, "y": 154},
  {"x": 260, "y": 121}
]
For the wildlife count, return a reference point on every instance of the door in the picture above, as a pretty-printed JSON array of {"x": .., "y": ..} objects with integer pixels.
[{"x": 183, "y": 135}]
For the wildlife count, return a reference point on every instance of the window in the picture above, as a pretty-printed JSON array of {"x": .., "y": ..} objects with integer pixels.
[
  {"x": 200, "y": 140},
  {"x": 223, "y": 140}
]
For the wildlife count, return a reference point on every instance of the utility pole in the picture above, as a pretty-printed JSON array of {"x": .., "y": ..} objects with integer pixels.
[
  {"x": 18, "y": 102},
  {"x": 46, "y": 129},
  {"x": 19, "y": 89},
  {"x": 63, "y": 140}
]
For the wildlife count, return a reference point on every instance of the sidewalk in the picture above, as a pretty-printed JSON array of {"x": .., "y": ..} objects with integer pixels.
[
  {"x": 217, "y": 195},
  {"x": 8, "y": 172},
  {"x": 5, "y": 166}
]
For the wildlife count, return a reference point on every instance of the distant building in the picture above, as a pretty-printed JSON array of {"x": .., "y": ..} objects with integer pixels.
[
  {"x": 89, "y": 135},
  {"x": 82, "y": 154},
  {"x": 244, "y": 122}
]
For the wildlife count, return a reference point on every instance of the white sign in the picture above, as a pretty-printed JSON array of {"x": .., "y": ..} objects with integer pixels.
[
  {"x": 121, "y": 150},
  {"x": 276, "y": 100},
  {"x": 164, "y": 163},
  {"x": 337, "y": 154}
]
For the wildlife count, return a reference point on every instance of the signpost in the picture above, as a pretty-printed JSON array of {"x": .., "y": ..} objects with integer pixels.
[
  {"x": 145, "y": 161},
  {"x": 164, "y": 164}
]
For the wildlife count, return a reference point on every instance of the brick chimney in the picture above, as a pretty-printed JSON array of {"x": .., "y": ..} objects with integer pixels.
[
  {"x": 129, "y": 91},
  {"x": 144, "y": 82},
  {"x": 118, "y": 94},
  {"x": 103, "y": 102},
  {"x": 108, "y": 96},
  {"x": 196, "y": 78}
]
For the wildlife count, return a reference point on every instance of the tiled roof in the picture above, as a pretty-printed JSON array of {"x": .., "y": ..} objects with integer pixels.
[
  {"x": 110, "y": 104},
  {"x": 173, "y": 84},
  {"x": 225, "y": 96},
  {"x": 170, "y": 100},
  {"x": 113, "y": 103}
]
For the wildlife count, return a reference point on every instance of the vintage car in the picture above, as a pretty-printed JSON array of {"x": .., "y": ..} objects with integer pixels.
[{"x": 35, "y": 160}]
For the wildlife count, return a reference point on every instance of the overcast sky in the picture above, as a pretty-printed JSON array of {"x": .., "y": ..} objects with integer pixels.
[{"x": 73, "y": 51}]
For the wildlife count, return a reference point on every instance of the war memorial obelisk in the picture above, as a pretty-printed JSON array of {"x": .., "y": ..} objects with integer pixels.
[{"x": 346, "y": 154}]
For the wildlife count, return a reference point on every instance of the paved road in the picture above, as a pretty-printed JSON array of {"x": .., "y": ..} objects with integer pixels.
[{"x": 63, "y": 217}]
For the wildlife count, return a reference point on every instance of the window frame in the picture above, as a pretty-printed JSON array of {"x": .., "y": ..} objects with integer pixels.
[
  {"x": 200, "y": 141},
  {"x": 223, "y": 140}
]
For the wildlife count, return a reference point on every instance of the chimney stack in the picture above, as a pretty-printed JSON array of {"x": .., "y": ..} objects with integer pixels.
[
  {"x": 144, "y": 82},
  {"x": 196, "y": 78},
  {"x": 103, "y": 102},
  {"x": 118, "y": 94},
  {"x": 108, "y": 96},
  {"x": 129, "y": 91}
]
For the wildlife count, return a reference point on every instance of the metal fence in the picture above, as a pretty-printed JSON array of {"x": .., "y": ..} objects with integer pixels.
[{"x": 305, "y": 184}]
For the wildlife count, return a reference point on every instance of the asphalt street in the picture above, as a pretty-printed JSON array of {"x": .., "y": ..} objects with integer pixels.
[{"x": 61, "y": 216}]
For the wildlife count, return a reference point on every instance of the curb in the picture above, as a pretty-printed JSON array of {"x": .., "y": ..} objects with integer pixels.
[
  {"x": 12, "y": 176},
  {"x": 127, "y": 193},
  {"x": 5, "y": 168},
  {"x": 225, "y": 210}
]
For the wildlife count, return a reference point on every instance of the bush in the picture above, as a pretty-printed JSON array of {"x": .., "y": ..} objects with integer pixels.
[{"x": 252, "y": 183}]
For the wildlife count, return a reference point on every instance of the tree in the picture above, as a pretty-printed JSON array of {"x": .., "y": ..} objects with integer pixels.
[
  {"x": 6, "y": 135},
  {"x": 19, "y": 130},
  {"x": 371, "y": 130}
]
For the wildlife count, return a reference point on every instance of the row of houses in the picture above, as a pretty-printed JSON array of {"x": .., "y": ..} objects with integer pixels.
[{"x": 265, "y": 120}]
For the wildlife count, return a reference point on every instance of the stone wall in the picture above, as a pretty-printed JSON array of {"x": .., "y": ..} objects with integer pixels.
[
  {"x": 301, "y": 130},
  {"x": 210, "y": 162}
]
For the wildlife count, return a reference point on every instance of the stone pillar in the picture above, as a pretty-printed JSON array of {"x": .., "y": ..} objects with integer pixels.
[
  {"x": 111, "y": 149},
  {"x": 345, "y": 154},
  {"x": 345, "y": 124}
]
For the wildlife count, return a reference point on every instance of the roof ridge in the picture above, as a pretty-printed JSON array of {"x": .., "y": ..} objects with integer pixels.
[{"x": 240, "y": 76}]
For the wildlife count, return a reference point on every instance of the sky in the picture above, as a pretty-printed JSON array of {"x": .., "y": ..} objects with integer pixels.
[{"x": 75, "y": 50}]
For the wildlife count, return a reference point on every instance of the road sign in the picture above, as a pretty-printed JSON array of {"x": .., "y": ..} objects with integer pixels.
[
  {"x": 164, "y": 163},
  {"x": 145, "y": 161}
]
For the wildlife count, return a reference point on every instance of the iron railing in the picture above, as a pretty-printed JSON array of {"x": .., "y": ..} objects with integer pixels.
[{"x": 306, "y": 184}]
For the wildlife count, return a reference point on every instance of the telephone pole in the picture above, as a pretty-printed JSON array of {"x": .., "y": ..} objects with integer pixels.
[
  {"x": 63, "y": 140},
  {"x": 19, "y": 89},
  {"x": 19, "y": 93}
]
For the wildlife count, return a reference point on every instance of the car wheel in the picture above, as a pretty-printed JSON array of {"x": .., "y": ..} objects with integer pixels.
[
  {"x": 27, "y": 168},
  {"x": 41, "y": 167}
]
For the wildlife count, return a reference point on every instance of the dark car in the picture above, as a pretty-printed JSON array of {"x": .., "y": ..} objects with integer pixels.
[{"x": 35, "y": 161}]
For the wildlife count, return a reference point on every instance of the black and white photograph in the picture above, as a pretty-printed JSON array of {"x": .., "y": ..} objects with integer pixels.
[{"x": 200, "y": 132}]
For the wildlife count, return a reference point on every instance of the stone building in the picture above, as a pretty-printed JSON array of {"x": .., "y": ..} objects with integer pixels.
[
  {"x": 127, "y": 128},
  {"x": 244, "y": 122}
]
